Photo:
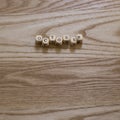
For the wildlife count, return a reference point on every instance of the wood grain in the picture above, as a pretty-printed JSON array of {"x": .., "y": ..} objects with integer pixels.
[{"x": 81, "y": 83}]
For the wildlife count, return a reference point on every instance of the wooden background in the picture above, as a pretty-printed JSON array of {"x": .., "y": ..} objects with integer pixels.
[{"x": 81, "y": 83}]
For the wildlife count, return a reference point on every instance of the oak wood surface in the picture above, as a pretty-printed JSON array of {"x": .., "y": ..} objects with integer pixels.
[{"x": 81, "y": 83}]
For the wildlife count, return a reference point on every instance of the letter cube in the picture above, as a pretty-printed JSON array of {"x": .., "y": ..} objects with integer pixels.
[
  {"x": 73, "y": 41},
  {"x": 38, "y": 39},
  {"x": 59, "y": 41},
  {"x": 45, "y": 42},
  {"x": 66, "y": 38},
  {"x": 79, "y": 38},
  {"x": 52, "y": 38}
]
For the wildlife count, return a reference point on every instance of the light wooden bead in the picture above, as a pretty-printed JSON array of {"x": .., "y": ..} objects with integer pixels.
[
  {"x": 66, "y": 38},
  {"x": 79, "y": 37},
  {"x": 73, "y": 41},
  {"x": 52, "y": 38},
  {"x": 59, "y": 41},
  {"x": 38, "y": 39},
  {"x": 45, "y": 42}
]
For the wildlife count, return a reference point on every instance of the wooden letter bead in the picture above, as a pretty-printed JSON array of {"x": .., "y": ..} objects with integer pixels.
[
  {"x": 79, "y": 37},
  {"x": 73, "y": 41},
  {"x": 52, "y": 38},
  {"x": 45, "y": 42},
  {"x": 38, "y": 39},
  {"x": 59, "y": 41},
  {"x": 66, "y": 38}
]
